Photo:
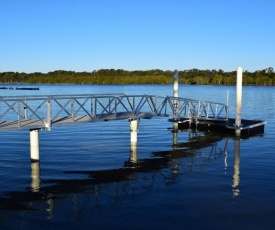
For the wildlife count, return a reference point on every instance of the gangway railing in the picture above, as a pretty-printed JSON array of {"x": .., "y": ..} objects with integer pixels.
[{"x": 43, "y": 112}]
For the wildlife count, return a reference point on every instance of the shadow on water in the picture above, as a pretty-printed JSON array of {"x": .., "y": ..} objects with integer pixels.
[{"x": 198, "y": 149}]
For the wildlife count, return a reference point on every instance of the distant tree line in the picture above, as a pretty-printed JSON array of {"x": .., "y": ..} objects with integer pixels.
[{"x": 155, "y": 76}]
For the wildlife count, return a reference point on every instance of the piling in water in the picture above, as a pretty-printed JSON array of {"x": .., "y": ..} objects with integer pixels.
[{"x": 238, "y": 100}]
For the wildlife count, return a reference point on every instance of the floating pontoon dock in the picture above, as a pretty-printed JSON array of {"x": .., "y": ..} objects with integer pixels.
[{"x": 248, "y": 127}]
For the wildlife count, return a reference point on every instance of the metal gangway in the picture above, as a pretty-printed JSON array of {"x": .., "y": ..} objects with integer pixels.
[
  {"x": 37, "y": 113},
  {"x": 45, "y": 112}
]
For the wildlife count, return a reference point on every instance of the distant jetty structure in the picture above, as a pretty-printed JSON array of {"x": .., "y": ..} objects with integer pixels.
[{"x": 20, "y": 88}]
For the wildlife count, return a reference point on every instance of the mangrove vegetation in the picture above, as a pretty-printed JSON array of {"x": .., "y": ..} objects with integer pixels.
[{"x": 155, "y": 76}]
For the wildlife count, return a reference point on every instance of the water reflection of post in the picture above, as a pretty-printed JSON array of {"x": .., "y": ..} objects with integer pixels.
[
  {"x": 50, "y": 208},
  {"x": 174, "y": 162},
  {"x": 35, "y": 175},
  {"x": 133, "y": 153},
  {"x": 236, "y": 175},
  {"x": 175, "y": 134},
  {"x": 225, "y": 153}
]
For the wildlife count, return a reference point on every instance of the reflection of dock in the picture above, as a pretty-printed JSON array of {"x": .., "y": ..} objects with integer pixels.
[{"x": 118, "y": 183}]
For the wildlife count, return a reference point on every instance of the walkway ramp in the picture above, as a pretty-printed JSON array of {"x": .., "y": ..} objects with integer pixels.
[{"x": 44, "y": 112}]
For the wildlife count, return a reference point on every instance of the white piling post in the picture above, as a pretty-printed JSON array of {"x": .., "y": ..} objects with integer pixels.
[
  {"x": 176, "y": 83},
  {"x": 49, "y": 116},
  {"x": 133, "y": 141},
  {"x": 227, "y": 105},
  {"x": 34, "y": 145},
  {"x": 176, "y": 95},
  {"x": 133, "y": 130},
  {"x": 238, "y": 99}
]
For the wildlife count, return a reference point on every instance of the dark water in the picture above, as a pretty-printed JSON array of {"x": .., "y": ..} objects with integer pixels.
[{"x": 206, "y": 181}]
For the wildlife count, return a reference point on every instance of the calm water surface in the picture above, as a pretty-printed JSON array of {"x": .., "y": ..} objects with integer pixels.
[{"x": 87, "y": 181}]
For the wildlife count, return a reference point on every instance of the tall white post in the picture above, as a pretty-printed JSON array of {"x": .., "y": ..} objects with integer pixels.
[
  {"x": 176, "y": 95},
  {"x": 133, "y": 141},
  {"x": 176, "y": 83},
  {"x": 133, "y": 158},
  {"x": 238, "y": 99},
  {"x": 134, "y": 131},
  {"x": 49, "y": 116},
  {"x": 34, "y": 145}
]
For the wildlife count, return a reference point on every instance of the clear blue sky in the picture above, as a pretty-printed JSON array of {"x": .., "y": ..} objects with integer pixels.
[{"x": 87, "y": 35}]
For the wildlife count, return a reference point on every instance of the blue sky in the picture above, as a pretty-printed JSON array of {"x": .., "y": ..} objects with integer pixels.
[{"x": 87, "y": 35}]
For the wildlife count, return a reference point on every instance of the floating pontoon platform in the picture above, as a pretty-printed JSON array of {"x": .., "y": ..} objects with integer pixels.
[{"x": 247, "y": 127}]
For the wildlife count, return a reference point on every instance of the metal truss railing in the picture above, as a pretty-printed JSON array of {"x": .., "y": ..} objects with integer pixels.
[
  {"x": 195, "y": 109},
  {"x": 45, "y": 111}
]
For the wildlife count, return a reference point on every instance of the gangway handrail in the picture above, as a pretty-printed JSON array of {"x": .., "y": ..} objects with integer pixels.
[
  {"x": 44, "y": 111},
  {"x": 59, "y": 96}
]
